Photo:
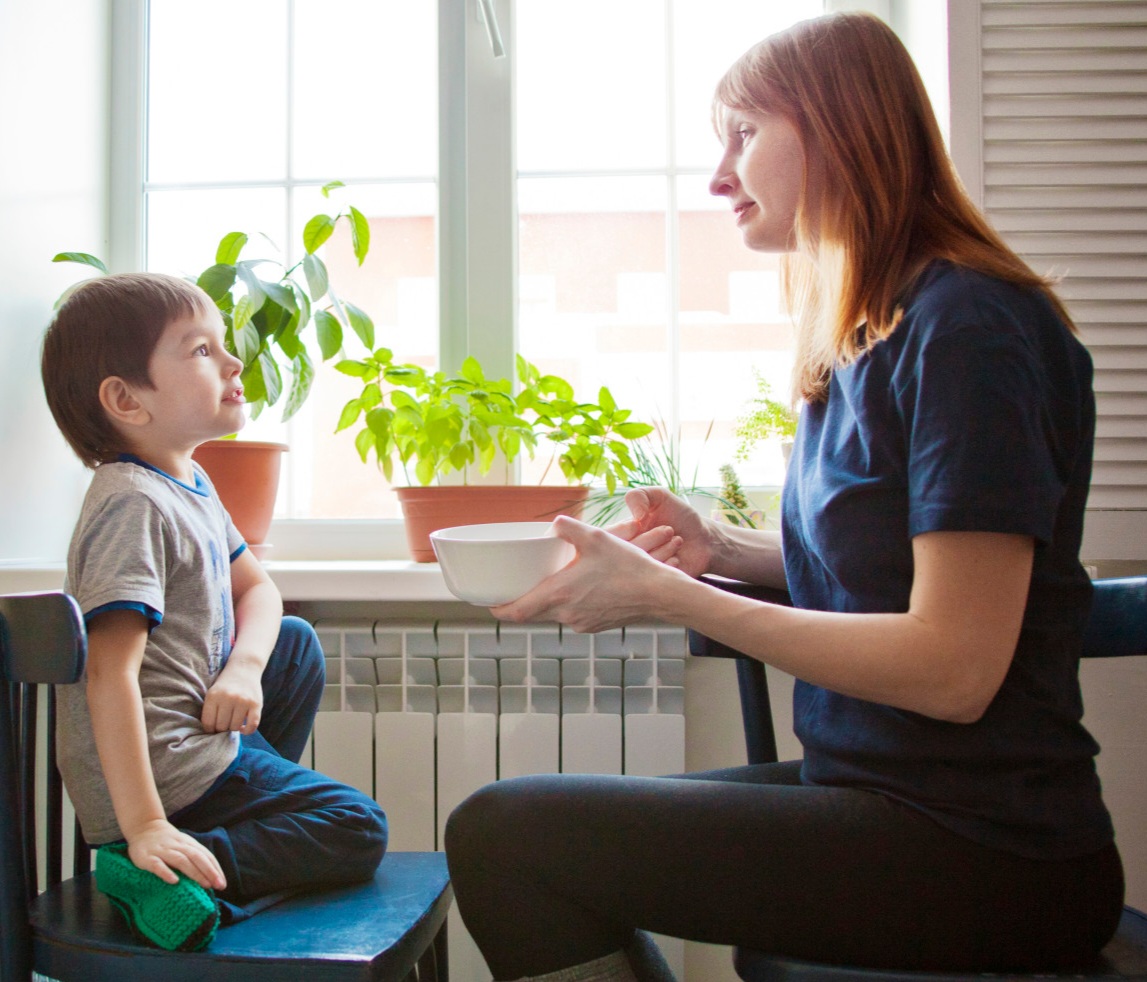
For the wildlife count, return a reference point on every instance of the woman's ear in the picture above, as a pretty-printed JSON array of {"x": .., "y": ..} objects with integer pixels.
[{"x": 121, "y": 403}]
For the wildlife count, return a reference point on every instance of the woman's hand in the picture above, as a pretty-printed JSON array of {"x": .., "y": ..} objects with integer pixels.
[
  {"x": 612, "y": 581},
  {"x": 653, "y": 508}
]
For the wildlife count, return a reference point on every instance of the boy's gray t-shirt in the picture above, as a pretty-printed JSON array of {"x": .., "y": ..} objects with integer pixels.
[{"x": 146, "y": 541}]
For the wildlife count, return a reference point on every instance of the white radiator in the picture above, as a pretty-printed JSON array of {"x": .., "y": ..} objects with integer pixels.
[{"x": 421, "y": 715}]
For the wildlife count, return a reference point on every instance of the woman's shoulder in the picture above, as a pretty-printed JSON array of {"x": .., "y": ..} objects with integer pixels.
[{"x": 950, "y": 297}]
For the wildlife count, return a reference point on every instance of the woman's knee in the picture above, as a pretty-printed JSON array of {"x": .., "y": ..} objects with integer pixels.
[{"x": 497, "y": 815}]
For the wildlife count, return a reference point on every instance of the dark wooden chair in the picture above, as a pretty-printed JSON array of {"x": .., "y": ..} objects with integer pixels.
[
  {"x": 389, "y": 929},
  {"x": 1117, "y": 627}
]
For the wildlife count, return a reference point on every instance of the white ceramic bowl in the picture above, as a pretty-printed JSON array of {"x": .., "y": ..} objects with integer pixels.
[{"x": 497, "y": 563}]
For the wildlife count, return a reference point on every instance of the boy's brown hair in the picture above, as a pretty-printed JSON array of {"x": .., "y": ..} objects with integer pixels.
[{"x": 108, "y": 326}]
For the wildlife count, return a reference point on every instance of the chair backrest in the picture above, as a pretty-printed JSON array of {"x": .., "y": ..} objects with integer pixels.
[
  {"x": 42, "y": 642},
  {"x": 1117, "y": 625}
]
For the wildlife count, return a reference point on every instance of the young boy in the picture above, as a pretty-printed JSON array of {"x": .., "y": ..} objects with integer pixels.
[{"x": 180, "y": 747}]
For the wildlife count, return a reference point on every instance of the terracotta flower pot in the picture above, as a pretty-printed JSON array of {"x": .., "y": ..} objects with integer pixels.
[
  {"x": 438, "y": 507},
  {"x": 246, "y": 475}
]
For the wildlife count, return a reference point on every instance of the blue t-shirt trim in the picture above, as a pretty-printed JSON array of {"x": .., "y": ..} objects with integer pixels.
[
  {"x": 154, "y": 617},
  {"x": 200, "y": 488},
  {"x": 238, "y": 552}
]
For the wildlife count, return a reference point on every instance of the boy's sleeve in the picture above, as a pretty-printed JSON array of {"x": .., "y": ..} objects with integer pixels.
[{"x": 121, "y": 558}]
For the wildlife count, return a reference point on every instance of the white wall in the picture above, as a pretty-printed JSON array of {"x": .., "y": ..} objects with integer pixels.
[{"x": 53, "y": 179}]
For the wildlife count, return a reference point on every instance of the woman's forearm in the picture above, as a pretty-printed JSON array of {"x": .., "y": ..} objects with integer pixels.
[
  {"x": 752, "y": 555},
  {"x": 945, "y": 656}
]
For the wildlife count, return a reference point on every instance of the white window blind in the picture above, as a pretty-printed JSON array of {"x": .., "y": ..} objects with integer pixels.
[{"x": 1064, "y": 128}]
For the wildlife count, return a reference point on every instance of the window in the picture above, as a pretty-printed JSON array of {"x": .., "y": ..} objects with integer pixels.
[{"x": 552, "y": 202}]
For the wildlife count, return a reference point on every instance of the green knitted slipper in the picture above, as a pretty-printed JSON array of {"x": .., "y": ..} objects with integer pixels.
[{"x": 179, "y": 916}]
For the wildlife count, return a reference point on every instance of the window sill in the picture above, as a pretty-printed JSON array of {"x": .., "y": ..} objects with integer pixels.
[{"x": 302, "y": 580}]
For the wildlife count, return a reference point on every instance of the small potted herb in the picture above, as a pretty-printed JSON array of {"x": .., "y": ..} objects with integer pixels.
[{"x": 766, "y": 419}]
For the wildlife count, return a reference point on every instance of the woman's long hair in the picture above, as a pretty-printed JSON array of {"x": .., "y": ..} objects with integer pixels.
[{"x": 891, "y": 195}]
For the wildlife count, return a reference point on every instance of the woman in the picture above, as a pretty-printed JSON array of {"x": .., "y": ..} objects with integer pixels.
[{"x": 931, "y": 525}]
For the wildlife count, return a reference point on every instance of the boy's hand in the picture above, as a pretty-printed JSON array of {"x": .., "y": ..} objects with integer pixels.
[
  {"x": 235, "y": 701},
  {"x": 160, "y": 848}
]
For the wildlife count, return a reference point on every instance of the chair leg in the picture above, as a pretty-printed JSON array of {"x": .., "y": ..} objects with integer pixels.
[{"x": 434, "y": 964}]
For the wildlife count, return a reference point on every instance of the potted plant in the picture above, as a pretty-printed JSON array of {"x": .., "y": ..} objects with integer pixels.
[
  {"x": 435, "y": 425},
  {"x": 658, "y": 464},
  {"x": 767, "y": 419},
  {"x": 734, "y": 507},
  {"x": 268, "y": 310}
]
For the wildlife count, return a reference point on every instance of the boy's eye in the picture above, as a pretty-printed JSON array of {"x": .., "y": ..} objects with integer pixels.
[{"x": 203, "y": 350}]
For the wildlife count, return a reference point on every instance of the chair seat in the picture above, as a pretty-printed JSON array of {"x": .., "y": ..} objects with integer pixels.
[
  {"x": 372, "y": 931},
  {"x": 1124, "y": 958}
]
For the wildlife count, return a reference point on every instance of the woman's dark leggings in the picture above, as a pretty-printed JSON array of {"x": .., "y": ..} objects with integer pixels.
[{"x": 556, "y": 870}]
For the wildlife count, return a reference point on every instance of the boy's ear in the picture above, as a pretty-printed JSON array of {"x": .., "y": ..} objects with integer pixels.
[{"x": 121, "y": 403}]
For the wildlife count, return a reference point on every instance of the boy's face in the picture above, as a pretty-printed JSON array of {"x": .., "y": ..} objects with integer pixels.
[{"x": 196, "y": 393}]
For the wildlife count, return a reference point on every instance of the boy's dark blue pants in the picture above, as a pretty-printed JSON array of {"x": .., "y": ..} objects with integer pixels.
[{"x": 274, "y": 825}]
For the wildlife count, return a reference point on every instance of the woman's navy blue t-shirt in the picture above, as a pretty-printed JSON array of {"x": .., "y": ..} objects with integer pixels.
[{"x": 975, "y": 414}]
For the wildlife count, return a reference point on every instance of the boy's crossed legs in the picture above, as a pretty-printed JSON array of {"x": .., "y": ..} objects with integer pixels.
[{"x": 275, "y": 826}]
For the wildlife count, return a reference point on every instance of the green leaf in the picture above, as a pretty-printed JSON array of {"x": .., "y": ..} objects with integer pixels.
[
  {"x": 253, "y": 284},
  {"x": 606, "y": 400},
  {"x": 633, "y": 431},
  {"x": 349, "y": 415},
  {"x": 85, "y": 258},
  {"x": 371, "y": 396},
  {"x": 360, "y": 323},
  {"x": 556, "y": 387},
  {"x": 356, "y": 369},
  {"x": 472, "y": 371},
  {"x": 302, "y": 378},
  {"x": 272, "y": 380},
  {"x": 329, "y": 332},
  {"x": 317, "y": 230},
  {"x": 287, "y": 334},
  {"x": 247, "y": 340},
  {"x": 316, "y": 272},
  {"x": 327, "y": 188},
  {"x": 424, "y": 470},
  {"x": 359, "y": 234},
  {"x": 460, "y": 456},
  {"x": 364, "y": 443},
  {"x": 216, "y": 281},
  {"x": 283, "y": 295},
  {"x": 229, "y": 248},
  {"x": 253, "y": 387}
]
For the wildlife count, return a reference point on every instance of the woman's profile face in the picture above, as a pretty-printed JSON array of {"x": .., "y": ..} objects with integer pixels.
[{"x": 761, "y": 172}]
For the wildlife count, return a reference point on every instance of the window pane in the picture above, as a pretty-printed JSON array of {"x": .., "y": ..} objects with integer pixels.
[
  {"x": 184, "y": 227},
  {"x": 397, "y": 287},
  {"x": 733, "y": 327},
  {"x": 217, "y": 91},
  {"x": 366, "y": 89},
  {"x": 594, "y": 288},
  {"x": 709, "y": 35},
  {"x": 590, "y": 84},
  {"x": 364, "y": 97}
]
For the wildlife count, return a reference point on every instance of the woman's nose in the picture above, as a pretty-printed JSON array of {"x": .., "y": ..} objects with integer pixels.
[{"x": 721, "y": 183}]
